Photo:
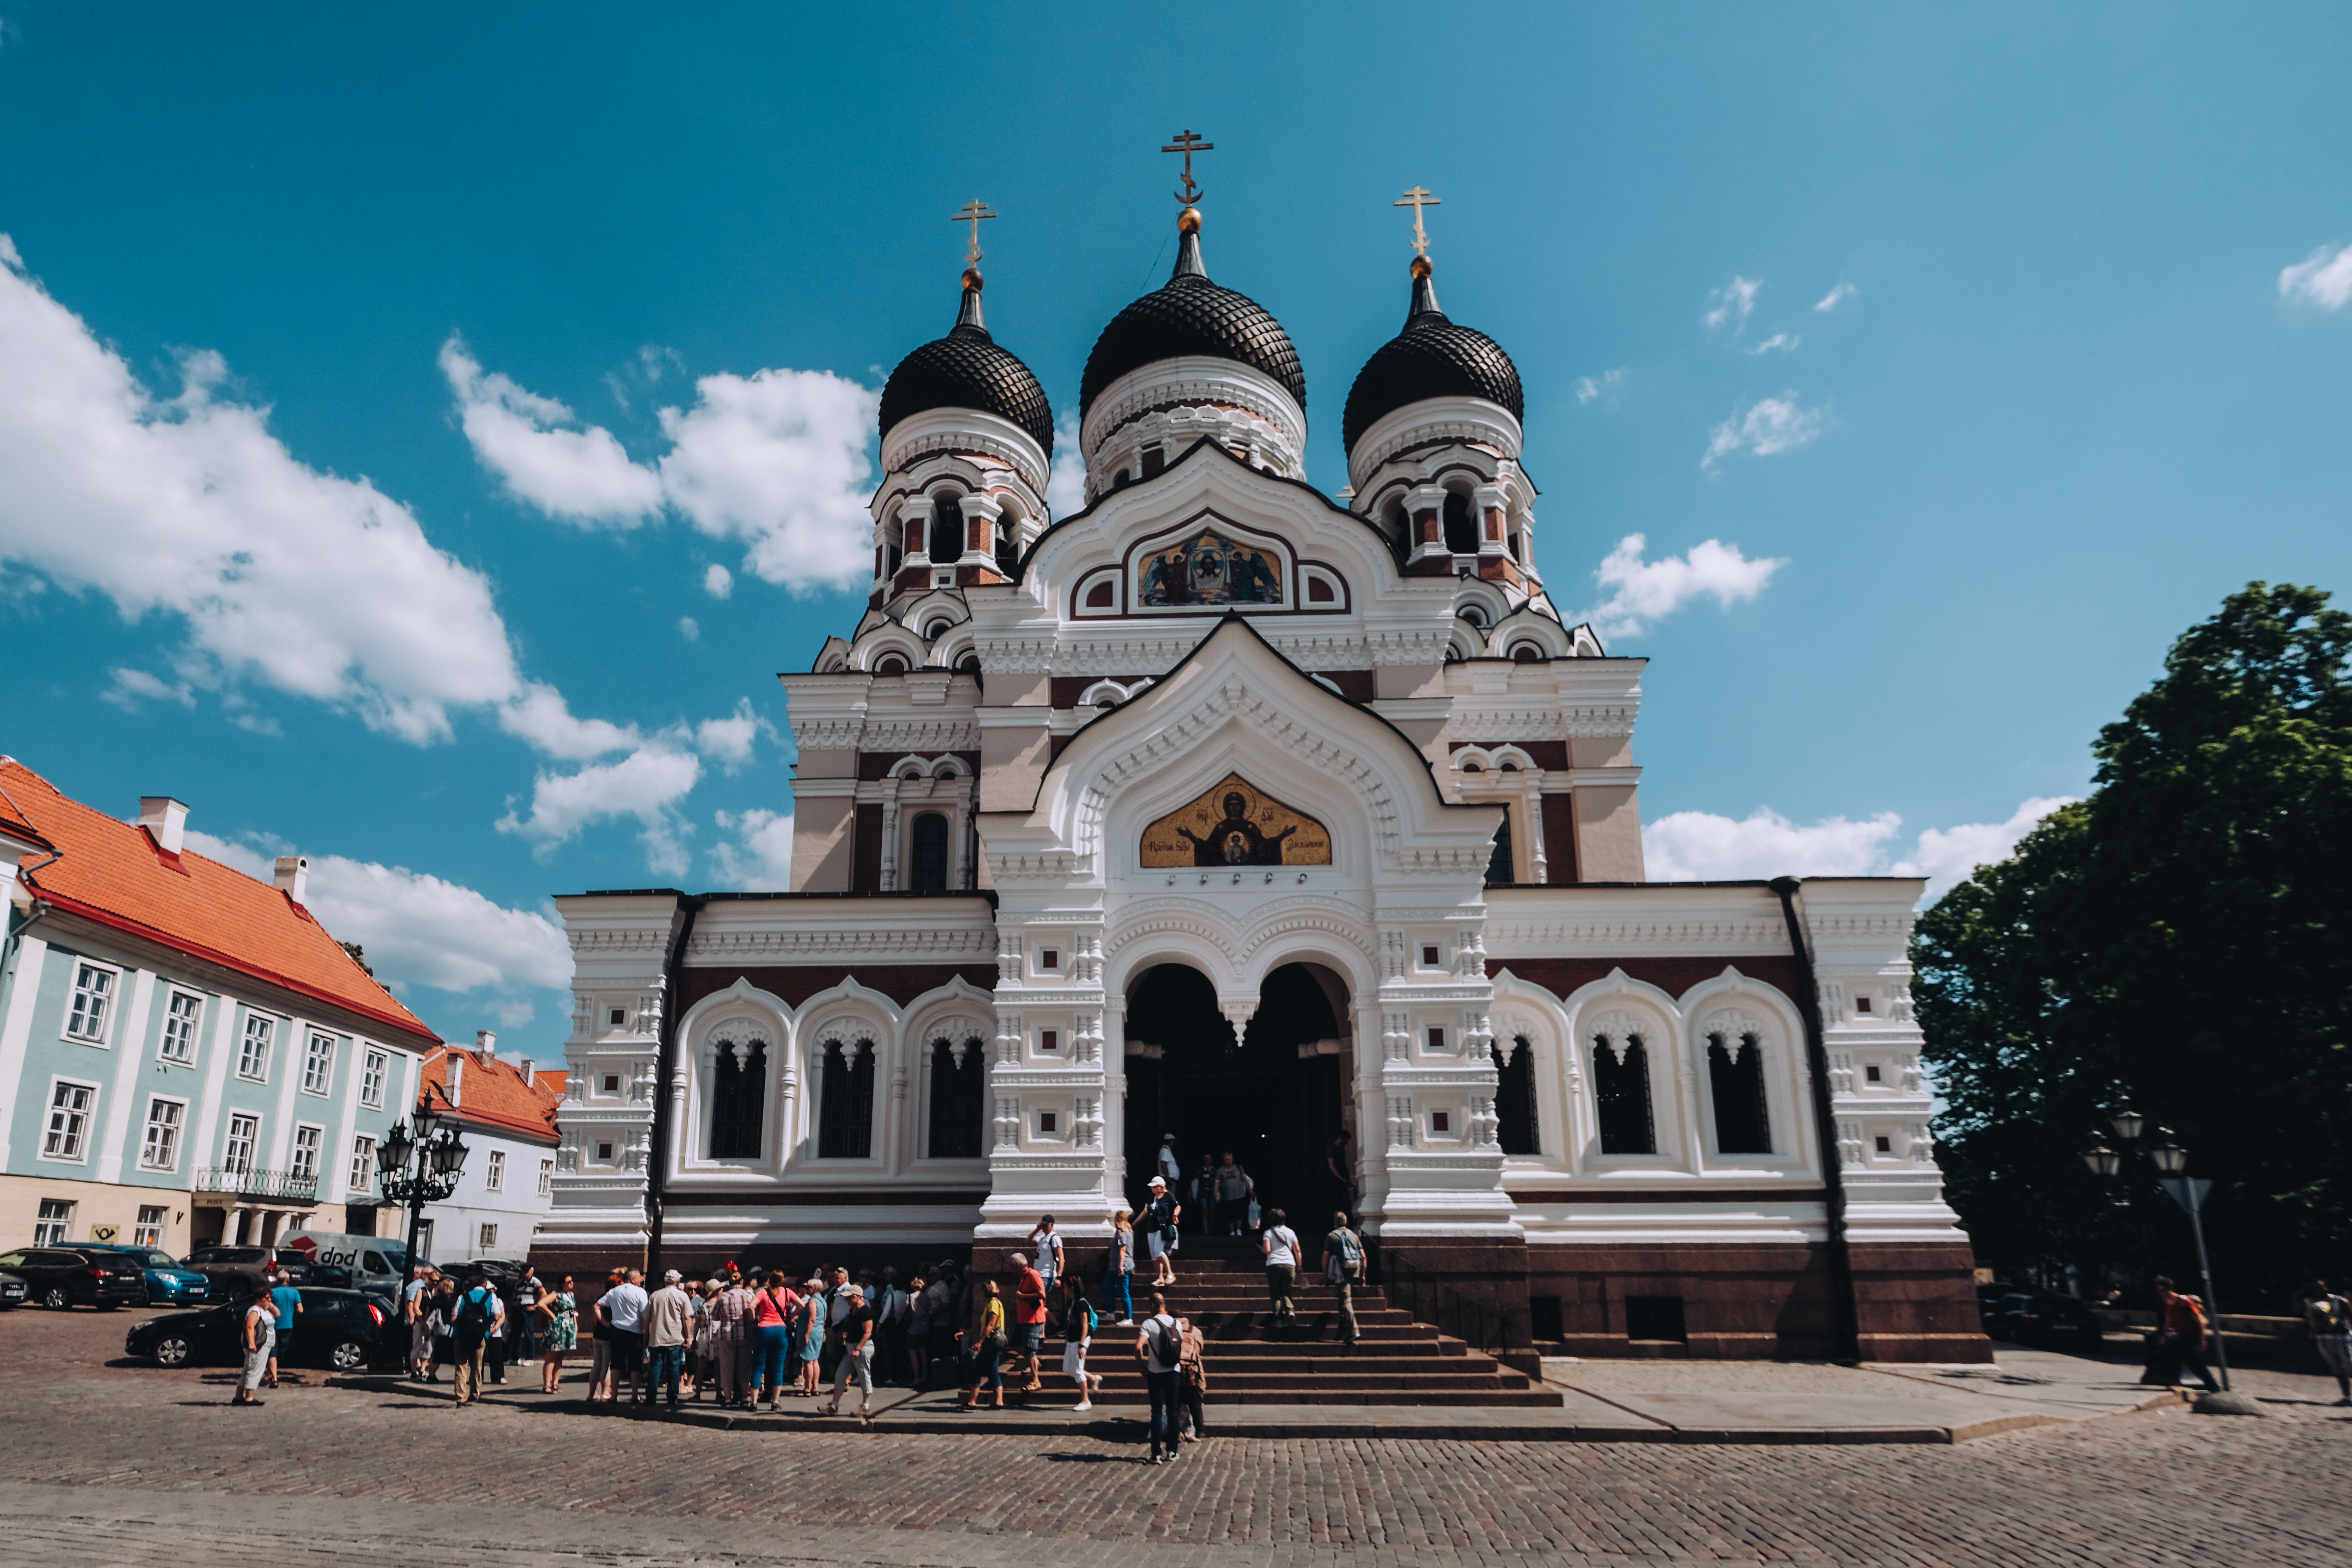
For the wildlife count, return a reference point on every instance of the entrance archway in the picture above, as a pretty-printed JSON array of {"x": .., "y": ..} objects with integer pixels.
[{"x": 1275, "y": 1098}]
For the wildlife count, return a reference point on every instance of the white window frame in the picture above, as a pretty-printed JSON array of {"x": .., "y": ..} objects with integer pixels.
[
  {"x": 311, "y": 1061},
  {"x": 375, "y": 1067},
  {"x": 245, "y": 1039},
  {"x": 93, "y": 1036},
  {"x": 186, "y": 1055},
  {"x": 494, "y": 1173},
  {"x": 547, "y": 1178},
  {"x": 316, "y": 1151},
  {"x": 43, "y": 1236},
  {"x": 85, "y": 1114},
  {"x": 362, "y": 1170},
  {"x": 147, "y": 1232},
  {"x": 252, "y": 1120},
  {"x": 489, "y": 1236},
  {"x": 175, "y": 1129}
]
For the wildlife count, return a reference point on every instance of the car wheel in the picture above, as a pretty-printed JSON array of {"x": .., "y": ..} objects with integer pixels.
[
  {"x": 58, "y": 1299},
  {"x": 172, "y": 1351},
  {"x": 349, "y": 1355}
]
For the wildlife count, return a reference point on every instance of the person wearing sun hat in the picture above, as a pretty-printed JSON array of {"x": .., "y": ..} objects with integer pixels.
[{"x": 1158, "y": 1225}]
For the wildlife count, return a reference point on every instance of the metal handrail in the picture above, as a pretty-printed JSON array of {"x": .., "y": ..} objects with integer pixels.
[
  {"x": 252, "y": 1183},
  {"x": 1475, "y": 1323}
]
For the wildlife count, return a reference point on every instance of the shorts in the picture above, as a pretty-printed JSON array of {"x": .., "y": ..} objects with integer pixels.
[
  {"x": 420, "y": 1340},
  {"x": 1028, "y": 1338},
  {"x": 1074, "y": 1360},
  {"x": 628, "y": 1351},
  {"x": 1159, "y": 1245},
  {"x": 2336, "y": 1350}
]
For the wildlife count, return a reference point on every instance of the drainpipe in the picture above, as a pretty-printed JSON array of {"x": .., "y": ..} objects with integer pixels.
[
  {"x": 1843, "y": 1306},
  {"x": 665, "y": 1064}
]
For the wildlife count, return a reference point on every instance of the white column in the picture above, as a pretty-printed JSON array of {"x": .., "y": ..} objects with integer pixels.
[
  {"x": 130, "y": 1036},
  {"x": 890, "y": 835}
]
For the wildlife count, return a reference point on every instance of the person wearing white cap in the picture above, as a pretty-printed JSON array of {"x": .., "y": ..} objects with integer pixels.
[
  {"x": 1158, "y": 1225},
  {"x": 666, "y": 1318}
]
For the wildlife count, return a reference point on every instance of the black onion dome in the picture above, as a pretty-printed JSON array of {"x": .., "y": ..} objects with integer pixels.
[
  {"x": 1430, "y": 358},
  {"x": 1190, "y": 315},
  {"x": 966, "y": 369}
]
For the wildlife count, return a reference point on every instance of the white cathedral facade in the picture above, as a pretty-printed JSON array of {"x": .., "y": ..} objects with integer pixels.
[{"x": 1224, "y": 809}]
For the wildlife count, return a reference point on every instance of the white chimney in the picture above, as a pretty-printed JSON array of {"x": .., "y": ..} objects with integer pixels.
[
  {"x": 293, "y": 876},
  {"x": 488, "y": 1044},
  {"x": 455, "y": 1061},
  {"x": 165, "y": 820},
  {"x": 530, "y": 1076}
]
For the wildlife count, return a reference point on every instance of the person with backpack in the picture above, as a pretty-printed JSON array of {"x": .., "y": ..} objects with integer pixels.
[
  {"x": 1159, "y": 1346},
  {"x": 1343, "y": 1270},
  {"x": 2181, "y": 1338},
  {"x": 2328, "y": 1317},
  {"x": 1078, "y": 1320},
  {"x": 470, "y": 1315},
  {"x": 1192, "y": 1382}
]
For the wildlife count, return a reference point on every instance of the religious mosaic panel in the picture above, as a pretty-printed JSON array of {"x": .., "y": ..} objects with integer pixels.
[
  {"x": 1211, "y": 569},
  {"x": 1236, "y": 823}
]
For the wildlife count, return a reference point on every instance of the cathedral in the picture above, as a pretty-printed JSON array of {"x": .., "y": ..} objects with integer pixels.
[{"x": 1224, "y": 812}]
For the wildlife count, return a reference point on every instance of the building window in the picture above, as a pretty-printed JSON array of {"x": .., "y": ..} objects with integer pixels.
[
  {"x": 1885, "y": 1144},
  {"x": 236, "y": 1156},
  {"x": 493, "y": 1174},
  {"x": 846, "y": 1121},
  {"x": 1429, "y": 958},
  {"x": 1049, "y": 959},
  {"x": 1621, "y": 1095},
  {"x": 1461, "y": 528},
  {"x": 959, "y": 1098},
  {"x": 1441, "y": 1122},
  {"x": 546, "y": 1178},
  {"x": 1515, "y": 1098},
  {"x": 373, "y": 1069},
  {"x": 1862, "y": 1003},
  {"x": 181, "y": 1015},
  {"x": 253, "y": 1051},
  {"x": 1735, "y": 1071},
  {"x": 363, "y": 1163},
  {"x": 1499, "y": 870},
  {"x": 612, "y": 1083},
  {"x": 1437, "y": 1041},
  {"x": 69, "y": 1130},
  {"x": 319, "y": 1065},
  {"x": 1045, "y": 1120},
  {"x": 1049, "y": 1041},
  {"x": 927, "y": 862},
  {"x": 54, "y": 1223},
  {"x": 603, "y": 1153},
  {"x": 149, "y": 1230},
  {"x": 489, "y": 1236},
  {"x": 307, "y": 1140},
  {"x": 739, "y": 1094},
  {"x": 93, "y": 1002},
  {"x": 160, "y": 1151}
]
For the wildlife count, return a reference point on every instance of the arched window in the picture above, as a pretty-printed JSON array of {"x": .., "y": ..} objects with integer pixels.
[
  {"x": 959, "y": 1098},
  {"x": 1461, "y": 527},
  {"x": 1008, "y": 546},
  {"x": 946, "y": 528},
  {"x": 968, "y": 665},
  {"x": 1621, "y": 1095},
  {"x": 927, "y": 870},
  {"x": 1735, "y": 1070},
  {"x": 846, "y": 1121},
  {"x": 1498, "y": 864},
  {"x": 1527, "y": 653},
  {"x": 738, "y": 1097},
  {"x": 1514, "y": 1097},
  {"x": 890, "y": 663}
]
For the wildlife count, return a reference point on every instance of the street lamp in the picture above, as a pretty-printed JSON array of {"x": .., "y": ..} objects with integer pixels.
[
  {"x": 440, "y": 1156},
  {"x": 2189, "y": 1192},
  {"x": 2103, "y": 1162}
]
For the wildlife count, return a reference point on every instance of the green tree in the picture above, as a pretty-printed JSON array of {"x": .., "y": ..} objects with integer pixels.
[{"x": 2179, "y": 937}]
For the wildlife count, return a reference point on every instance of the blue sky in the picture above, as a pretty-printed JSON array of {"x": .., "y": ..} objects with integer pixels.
[{"x": 1988, "y": 319}]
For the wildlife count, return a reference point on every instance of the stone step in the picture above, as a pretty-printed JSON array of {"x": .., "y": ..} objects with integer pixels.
[
  {"x": 1344, "y": 1380},
  {"x": 1220, "y": 1395}
]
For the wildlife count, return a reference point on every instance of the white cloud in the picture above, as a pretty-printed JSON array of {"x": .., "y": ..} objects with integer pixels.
[
  {"x": 542, "y": 719},
  {"x": 1699, "y": 846},
  {"x": 1835, "y": 297},
  {"x": 729, "y": 739},
  {"x": 776, "y": 459},
  {"x": 717, "y": 581},
  {"x": 645, "y": 787},
  {"x": 1784, "y": 341},
  {"x": 1607, "y": 383},
  {"x": 1731, "y": 305},
  {"x": 2323, "y": 279},
  {"x": 1065, "y": 487},
  {"x": 1641, "y": 592},
  {"x": 132, "y": 687},
  {"x": 1772, "y": 424},
  {"x": 689, "y": 628},
  {"x": 760, "y": 860}
]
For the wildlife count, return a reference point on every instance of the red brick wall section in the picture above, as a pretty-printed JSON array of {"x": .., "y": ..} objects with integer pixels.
[
  {"x": 1560, "y": 840},
  {"x": 1563, "y": 976},
  {"x": 866, "y": 851},
  {"x": 902, "y": 982}
]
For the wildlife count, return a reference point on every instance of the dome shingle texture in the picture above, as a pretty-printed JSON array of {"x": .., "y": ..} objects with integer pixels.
[
  {"x": 1430, "y": 358},
  {"x": 966, "y": 369},
  {"x": 1190, "y": 315}
]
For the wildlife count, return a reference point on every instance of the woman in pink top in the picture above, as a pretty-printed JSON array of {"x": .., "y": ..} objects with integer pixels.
[{"x": 771, "y": 1316}]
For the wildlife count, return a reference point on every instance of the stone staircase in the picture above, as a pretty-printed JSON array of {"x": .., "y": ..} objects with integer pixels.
[{"x": 1221, "y": 1286}]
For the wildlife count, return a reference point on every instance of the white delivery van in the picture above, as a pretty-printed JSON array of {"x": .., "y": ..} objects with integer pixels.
[{"x": 377, "y": 1263}]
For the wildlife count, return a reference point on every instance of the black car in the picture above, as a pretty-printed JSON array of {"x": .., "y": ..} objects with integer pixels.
[
  {"x": 170, "y": 1282},
  {"x": 344, "y": 1330},
  {"x": 237, "y": 1271},
  {"x": 2043, "y": 1320},
  {"x": 62, "y": 1277},
  {"x": 13, "y": 1291}
]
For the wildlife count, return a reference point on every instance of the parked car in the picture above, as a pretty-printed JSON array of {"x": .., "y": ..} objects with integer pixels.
[
  {"x": 234, "y": 1271},
  {"x": 13, "y": 1291},
  {"x": 340, "y": 1329},
  {"x": 169, "y": 1282},
  {"x": 2044, "y": 1320},
  {"x": 65, "y": 1276}
]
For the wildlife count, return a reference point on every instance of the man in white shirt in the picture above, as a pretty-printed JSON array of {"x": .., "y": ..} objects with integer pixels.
[
  {"x": 666, "y": 1317},
  {"x": 1048, "y": 1244},
  {"x": 623, "y": 1308},
  {"x": 1280, "y": 1245}
]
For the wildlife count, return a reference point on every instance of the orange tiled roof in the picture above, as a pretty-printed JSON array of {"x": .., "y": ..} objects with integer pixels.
[
  {"x": 492, "y": 1091},
  {"x": 113, "y": 873}
]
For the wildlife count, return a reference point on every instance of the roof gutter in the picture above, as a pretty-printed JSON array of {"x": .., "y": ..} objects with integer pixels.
[
  {"x": 1844, "y": 1310},
  {"x": 665, "y": 1075}
]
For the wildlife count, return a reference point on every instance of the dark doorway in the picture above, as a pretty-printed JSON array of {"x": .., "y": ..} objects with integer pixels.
[{"x": 1276, "y": 1108}]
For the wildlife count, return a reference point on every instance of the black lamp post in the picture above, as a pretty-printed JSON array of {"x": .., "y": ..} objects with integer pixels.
[
  {"x": 2169, "y": 1159},
  {"x": 439, "y": 1155}
]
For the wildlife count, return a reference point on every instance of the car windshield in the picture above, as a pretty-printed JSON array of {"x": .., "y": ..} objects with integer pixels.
[{"x": 151, "y": 1258}]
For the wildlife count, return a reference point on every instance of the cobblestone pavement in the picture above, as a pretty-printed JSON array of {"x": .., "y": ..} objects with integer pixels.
[{"x": 117, "y": 1464}]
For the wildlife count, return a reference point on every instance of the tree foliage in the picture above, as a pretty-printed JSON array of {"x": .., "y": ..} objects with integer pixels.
[{"x": 2180, "y": 938}]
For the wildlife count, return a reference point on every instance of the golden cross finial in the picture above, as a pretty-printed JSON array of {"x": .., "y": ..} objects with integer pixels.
[
  {"x": 1189, "y": 142},
  {"x": 1417, "y": 198},
  {"x": 973, "y": 212}
]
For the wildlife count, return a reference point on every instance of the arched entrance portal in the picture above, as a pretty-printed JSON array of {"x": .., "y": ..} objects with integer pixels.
[{"x": 1277, "y": 1097}]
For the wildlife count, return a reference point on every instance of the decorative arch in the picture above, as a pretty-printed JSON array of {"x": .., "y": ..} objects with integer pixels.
[
  {"x": 1632, "y": 1091},
  {"x": 1751, "y": 1016},
  {"x": 736, "y": 1045},
  {"x": 848, "y": 1046}
]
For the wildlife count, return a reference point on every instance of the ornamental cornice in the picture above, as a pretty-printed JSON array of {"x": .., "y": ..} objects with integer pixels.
[
  {"x": 1093, "y": 1162},
  {"x": 1015, "y": 655},
  {"x": 1052, "y": 865},
  {"x": 1549, "y": 722},
  {"x": 1414, "y": 1159},
  {"x": 1563, "y": 939},
  {"x": 971, "y": 944},
  {"x": 1409, "y": 648},
  {"x": 1210, "y": 380},
  {"x": 650, "y": 940},
  {"x": 1896, "y": 927},
  {"x": 871, "y": 734},
  {"x": 964, "y": 434},
  {"x": 1403, "y": 993}
]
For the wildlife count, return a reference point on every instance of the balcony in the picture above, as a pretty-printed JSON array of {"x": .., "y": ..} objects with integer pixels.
[{"x": 250, "y": 1182}]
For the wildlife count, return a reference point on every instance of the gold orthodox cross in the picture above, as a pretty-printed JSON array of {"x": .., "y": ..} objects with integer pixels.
[
  {"x": 1189, "y": 142},
  {"x": 1417, "y": 198},
  {"x": 973, "y": 212}
]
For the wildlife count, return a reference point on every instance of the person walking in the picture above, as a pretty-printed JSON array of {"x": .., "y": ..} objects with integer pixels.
[
  {"x": 855, "y": 1332},
  {"x": 413, "y": 1309},
  {"x": 1159, "y": 1346},
  {"x": 918, "y": 1334},
  {"x": 734, "y": 1318},
  {"x": 1078, "y": 1337},
  {"x": 1343, "y": 1270},
  {"x": 1192, "y": 1382},
  {"x": 442, "y": 1304},
  {"x": 773, "y": 1307},
  {"x": 527, "y": 1324},
  {"x": 494, "y": 1343},
  {"x": 624, "y": 1307},
  {"x": 600, "y": 1333},
  {"x": 470, "y": 1317},
  {"x": 2328, "y": 1317},
  {"x": 1158, "y": 1227},
  {"x": 1048, "y": 1243},
  {"x": 287, "y": 1302},
  {"x": 1028, "y": 1322},
  {"x": 836, "y": 1308},
  {"x": 2180, "y": 1338},
  {"x": 1280, "y": 1244},
  {"x": 258, "y": 1335},
  {"x": 811, "y": 1337},
  {"x": 987, "y": 1350},
  {"x": 1119, "y": 1270},
  {"x": 666, "y": 1324},
  {"x": 1233, "y": 1190},
  {"x": 558, "y": 1314}
]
